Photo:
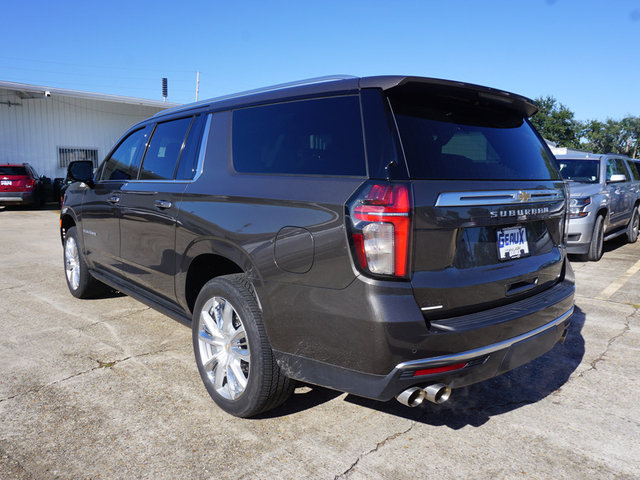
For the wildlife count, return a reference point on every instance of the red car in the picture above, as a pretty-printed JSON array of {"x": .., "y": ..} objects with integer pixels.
[{"x": 19, "y": 185}]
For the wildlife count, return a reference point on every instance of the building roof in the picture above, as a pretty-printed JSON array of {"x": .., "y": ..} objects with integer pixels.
[{"x": 25, "y": 91}]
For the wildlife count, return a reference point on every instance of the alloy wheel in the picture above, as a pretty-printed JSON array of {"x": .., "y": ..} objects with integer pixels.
[
  {"x": 72, "y": 262},
  {"x": 224, "y": 349}
]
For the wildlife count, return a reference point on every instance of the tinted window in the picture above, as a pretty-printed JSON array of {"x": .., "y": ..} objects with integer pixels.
[
  {"x": 189, "y": 157},
  {"x": 585, "y": 171},
  {"x": 312, "y": 137},
  {"x": 164, "y": 149},
  {"x": 615, "y": 166},
  {"x": 635, "y": 172},
  {"x": 125, "y": 160},
  {"x": 11, "y": 170},
  {"x": 450, "y": 139}
]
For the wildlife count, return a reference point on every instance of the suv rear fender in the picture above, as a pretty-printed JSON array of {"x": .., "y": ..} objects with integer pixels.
[{"x": 233, "y": 260}]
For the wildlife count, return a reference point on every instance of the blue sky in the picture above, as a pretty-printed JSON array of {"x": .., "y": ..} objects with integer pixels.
[{"x": 586, "y": 53}]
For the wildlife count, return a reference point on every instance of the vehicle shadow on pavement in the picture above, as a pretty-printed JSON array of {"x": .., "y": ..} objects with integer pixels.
[
  {"x": 609, "y": 246},
  {"x": 476, "y": 404}
]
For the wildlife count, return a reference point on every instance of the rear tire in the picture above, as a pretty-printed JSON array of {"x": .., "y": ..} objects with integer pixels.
[
  {"x": 80, "y": 282},
  {"x": 634, "y": 225},
  {"x": 232, "y": 350},
  {"x": 597, "y": 240}
]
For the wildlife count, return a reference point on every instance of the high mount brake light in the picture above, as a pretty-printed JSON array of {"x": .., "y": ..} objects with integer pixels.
[{"x": 381, "y": 221}]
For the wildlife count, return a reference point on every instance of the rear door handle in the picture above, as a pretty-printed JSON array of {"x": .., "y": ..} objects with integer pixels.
[
  {"x": 163, "y": 204},
  {"x": 114, "y": 199}
]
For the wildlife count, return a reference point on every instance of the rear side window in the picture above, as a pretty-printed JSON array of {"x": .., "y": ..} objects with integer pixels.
[
  {"x": 164, "y": 149},
  {"x": 635, "y": 173},
  {"x": 189, "y": 157},
  {"x": 13, "y": 170},
  {"x": 310, "y": 137},
  {"x": 124, "y": 162},
  {"x": 450, "y": 139}
]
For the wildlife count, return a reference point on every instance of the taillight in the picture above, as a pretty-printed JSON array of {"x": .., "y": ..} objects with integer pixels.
[
  {"x": 29, "y": 183},
  {"x": 380, "y": 228}
]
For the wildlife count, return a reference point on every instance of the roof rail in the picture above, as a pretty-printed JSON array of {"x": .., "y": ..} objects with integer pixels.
[{"x": 272, "y": 88}]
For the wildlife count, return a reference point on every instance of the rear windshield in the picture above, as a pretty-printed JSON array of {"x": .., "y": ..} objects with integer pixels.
[
  {"x": 584, "y": 171},
  {"x": 11, "y": 170},
  {"x": 450, "y": 139}
]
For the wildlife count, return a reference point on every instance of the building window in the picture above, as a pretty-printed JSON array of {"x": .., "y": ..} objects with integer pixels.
[{"x": 66, "y": 155}]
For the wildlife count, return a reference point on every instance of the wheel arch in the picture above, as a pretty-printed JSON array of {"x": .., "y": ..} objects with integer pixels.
[
  {"x": 206, "y": 259},
  {"x": 67, "y": 220}
]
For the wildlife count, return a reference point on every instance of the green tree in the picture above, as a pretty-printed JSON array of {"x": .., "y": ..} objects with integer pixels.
[
  {"x": 613, "y": 136},
  {"x": 555, "y": 122},
  {"x": 631, "y": 134}
]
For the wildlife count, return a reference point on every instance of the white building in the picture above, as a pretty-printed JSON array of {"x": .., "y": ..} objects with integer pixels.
[{"x": 49, "y": 127}]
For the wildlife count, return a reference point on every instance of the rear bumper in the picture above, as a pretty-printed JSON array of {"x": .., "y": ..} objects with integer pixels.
[
  {"x": 481, "y": 364},
  {"x": 17, "y": 198},
  {"x": 379, "y": 360}
]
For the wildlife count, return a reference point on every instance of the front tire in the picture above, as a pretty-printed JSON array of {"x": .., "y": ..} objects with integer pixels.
[
  {"x": 634, "y": 225},
  {"x": 597, "y": 240},
  {"x": 232, "y": 350},
  {"x": 80, "y": 282}
]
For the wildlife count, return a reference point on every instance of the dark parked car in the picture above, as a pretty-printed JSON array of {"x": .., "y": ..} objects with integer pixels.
[
  {"x": 383, "y": 236},
  {"x": 20, "y": 185}
]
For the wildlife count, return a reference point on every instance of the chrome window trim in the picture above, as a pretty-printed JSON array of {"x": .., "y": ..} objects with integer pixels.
[
  {"x": 199, "y": 166},
  {"x": 497, "y": 197},
  {"x": 486, "y": 350}
]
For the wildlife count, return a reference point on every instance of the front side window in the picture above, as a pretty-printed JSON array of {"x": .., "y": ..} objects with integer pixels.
[
  {"x": 164, "y": 149},
  {"x": 124, "y": 162},
  {"x": 615, "y": 166},
  {"x": 446, "y": 138},
  {"x": 309, "y": 137}
]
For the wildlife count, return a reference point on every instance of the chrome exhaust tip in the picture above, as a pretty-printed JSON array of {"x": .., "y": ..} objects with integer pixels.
[
  {"x": 411, "y": 397},
  {"x": 437, "y": 393}
]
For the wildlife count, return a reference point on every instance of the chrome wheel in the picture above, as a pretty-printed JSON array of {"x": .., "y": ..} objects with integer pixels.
[
  {"x": 72, "y": 262},
  {"x": 224, "y": 350}
]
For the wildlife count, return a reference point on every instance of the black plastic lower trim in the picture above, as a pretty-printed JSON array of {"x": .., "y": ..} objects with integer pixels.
[{"x": 144, "y": 296}]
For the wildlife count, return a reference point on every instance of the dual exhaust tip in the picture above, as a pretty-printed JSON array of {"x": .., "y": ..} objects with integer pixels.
[{"x": 436, "y": 393}]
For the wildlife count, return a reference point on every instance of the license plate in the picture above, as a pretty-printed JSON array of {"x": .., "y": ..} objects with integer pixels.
[
  {"x": 512, "y": 243},
  {"x": 5, "y": 182}
]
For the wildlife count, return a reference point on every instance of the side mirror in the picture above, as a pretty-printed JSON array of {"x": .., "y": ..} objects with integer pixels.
[
  {"x": 81, "y": 171},
  {"x": 617, "y": 178}
]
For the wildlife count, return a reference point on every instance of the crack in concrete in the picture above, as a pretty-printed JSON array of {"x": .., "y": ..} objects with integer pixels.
[
  {"x": 379, "y": 445},
  {"x": 11, "y": 288},
  {"x": 127, "y": 315},
  {"x": 78, "y": 374},
  {"x": 612, "y": 340}
]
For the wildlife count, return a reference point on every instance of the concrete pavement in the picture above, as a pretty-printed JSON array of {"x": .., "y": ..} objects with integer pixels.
[{"x": 108, "y": 388}]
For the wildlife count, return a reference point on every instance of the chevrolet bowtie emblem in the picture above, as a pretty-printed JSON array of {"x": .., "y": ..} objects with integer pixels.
[{"x": 523, "y": 196}]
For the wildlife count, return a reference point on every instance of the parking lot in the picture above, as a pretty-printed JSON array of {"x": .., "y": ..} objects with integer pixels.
[{"x": 108, "y": 388}]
